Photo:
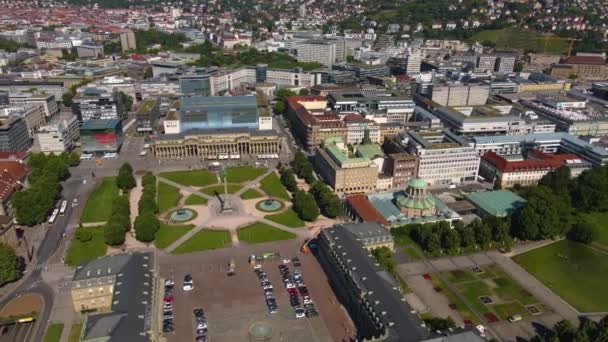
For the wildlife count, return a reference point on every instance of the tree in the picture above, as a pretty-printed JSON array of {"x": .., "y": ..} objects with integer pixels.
[
  {"x": 558, "y": 180},
  {"x": 73, "y": 159},
  {"x": 146, "y": 226},
  {"x": 564, "y": 330},
  {"x": 9, "y": 264},
  {"x": 114, "y": 234},
  {"x": 147, "y": 203},
  {"x": 148, "y": 180},
  {"x": 288, "y": 180},
  {"x": 499, "y": 229},
  {"x": 450, "y": 239},
  {"x": 304, "y": 205},
  {"x": 545, "y": 215},
  {"x": 279, "y": 107},
  {"x": 125, "y": 179},
  {"x": 583, "y": 232},
  {"x": 66, "y": 98},
  {"x": 127, "y": 101},
  {"x": 303, "y": 92},
  {"x": 482, "y": 232},
  {"x": 83, "y": 235}
]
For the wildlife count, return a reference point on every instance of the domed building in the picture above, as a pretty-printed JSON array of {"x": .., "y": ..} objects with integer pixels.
[{"x": 418, "y": 202}]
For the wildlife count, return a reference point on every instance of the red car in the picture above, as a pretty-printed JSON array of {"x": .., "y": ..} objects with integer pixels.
[
  {"x": 292, "y": 291},
  {"x": 168, "y": 299}
]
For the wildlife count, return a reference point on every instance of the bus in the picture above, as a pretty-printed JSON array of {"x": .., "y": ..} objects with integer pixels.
[
  {"x": 53, "y": 216},
  {"x": 64, "y": 205}
]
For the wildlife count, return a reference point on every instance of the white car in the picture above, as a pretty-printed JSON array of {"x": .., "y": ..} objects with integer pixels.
[
  {"x": 201, "y": 326},
  {"x": 267, "y": 287},
  {"x": 290, "y": 286},
  {"x": 188, "y": 284},
  {"x": 257, "y": 266},
  {"x": 286, "y": 261},
  {"x": 169, "y": 282},
  {"x": 307, "y": 301},
  {"x": 300, "y": 313}
]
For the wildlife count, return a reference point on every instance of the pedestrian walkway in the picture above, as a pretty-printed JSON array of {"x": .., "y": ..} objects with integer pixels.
[
  {"x": 183, "y": 187},
  {"x": 253, "y": 183}
]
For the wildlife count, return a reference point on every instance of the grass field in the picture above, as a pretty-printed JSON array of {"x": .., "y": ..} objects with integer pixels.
[
  {"x": 204, "y": 240},
  {"x": 574, "y": 271},
  {"x": 512, "y": 38},
  {"x": 191, "y": 178},
  {"x": 195, "y": 200},
  {"x": 167, "y": 197},
  {"x": 75, "y": 333},
  {"x": 260, "y": 233},
  {"x": 99, "y": 204},
  {"x": 167, "y": 234},
  {"x": 53, "y": 332},
  {"x": 80, "y": 252},
  {"x": 508, "y": 297},
  {"x": 272, "y": 186},
  {"x": 288, "y": 218},
  {"x": 251, "y": 194},
  {"x": 219, "y": 189},
  {"x": 600, "y": 221},
  {"x": 244, "y": 173}
]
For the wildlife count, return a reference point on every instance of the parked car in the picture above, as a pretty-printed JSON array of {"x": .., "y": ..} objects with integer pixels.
[
  {"x": 188, "y": 283},
  {"x": 296, "y": 262},
  {"x": 300, "y": 313}
]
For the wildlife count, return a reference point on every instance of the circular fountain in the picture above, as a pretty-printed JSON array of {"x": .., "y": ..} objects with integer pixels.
[
  {"x": 182, "y": 215},
  {"x": 269, "y": 205}
]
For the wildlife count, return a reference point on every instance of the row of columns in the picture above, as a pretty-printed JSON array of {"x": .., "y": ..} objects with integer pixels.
[{"x": 196, "y": 150}]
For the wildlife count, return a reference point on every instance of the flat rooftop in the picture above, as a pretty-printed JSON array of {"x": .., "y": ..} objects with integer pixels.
[{"x": 496, "y": 203}]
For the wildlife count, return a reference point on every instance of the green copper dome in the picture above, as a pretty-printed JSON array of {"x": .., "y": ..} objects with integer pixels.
[{"x": 417, "y": 183}]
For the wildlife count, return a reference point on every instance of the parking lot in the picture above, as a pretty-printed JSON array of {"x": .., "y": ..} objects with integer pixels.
[{"x": 233, "y": 303}]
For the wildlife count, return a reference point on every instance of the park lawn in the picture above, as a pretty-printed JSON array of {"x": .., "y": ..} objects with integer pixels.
[
  {"x": 600, "y": 221},
  {"x": 288, "y": 218},
  {"x": 204, "y": 240},
  {"x": 80, "y": 252},
  {"x": 513, "y": 38},
  {"x": 75, "y": 332},
  {"x": 167, "y": 197},
  {"x": 272, "y": 186},
  {"x": 99, "y": 205},
  {"x": 195, "y": 199},
  {"x": 574, "y": 271},
  {"x": 167, "y": 234},
  {"x": 459, "y": 305},
  {"x": 191, "y": 178},
  {"x": 53, "y": 332},
  {"x": 251, "y": 194},
  {"x": 261, "y": 232},
  {"x": 219, "y": 189},
  {"x": 242, "y": 174}
]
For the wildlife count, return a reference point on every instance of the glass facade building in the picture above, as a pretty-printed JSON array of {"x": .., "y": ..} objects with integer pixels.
[
  {"x": 101, "y": 136},
  {"x": 195, "y": 85},
  {"x": 218, "y": 112}
]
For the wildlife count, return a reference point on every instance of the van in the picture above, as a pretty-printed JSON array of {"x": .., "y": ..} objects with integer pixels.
[
  {"x": 143, "y": 153},
  {"x": 515, "y": 318}
]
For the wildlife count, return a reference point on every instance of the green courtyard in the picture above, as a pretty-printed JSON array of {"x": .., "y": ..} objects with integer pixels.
[
  {"x": 167, "y": 234},
  {"x": 576, "y": 272},
  {"x": 600, "y": 221},
  {"x": 261, "y": 232},
  {"x": 242, "y": 174},
  {"x": 506, "y": 295},
  {"x": 195, "y": 199},
  {"x": 251, "y": 194},
  {"x": 99, "y": 204},
  {"x": 191, "y": 178},
  {"x": 272, "y": 186},
  {"x": 168, "y": 197},
  {"x": 80, "y": 252},
  {"x": 204, "y": 240},
  {"x": 53, "y": 332},
  {"x": 288, "y": 218}
]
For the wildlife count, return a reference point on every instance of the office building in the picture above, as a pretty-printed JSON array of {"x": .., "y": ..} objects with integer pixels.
[
  {"x": 342, "y": 170},
  {"x": 379, "y": 311},
  {"x": 481, "y": 120},
  {"x": 216, "y": 143},
  {"x": 58, "y": 136},
  {"x": 459, "y": 94},
  {"x": 485, "y": 63},
  {"x": 161, "y": 87},
  {"x": 505, "y": 62},
  {"x": 146, "y": 117},
  {"x": 195, "y": 84},
  {"x": 14, "y": 135},
  {"x": 528, "y": 168},
  {"x": 322, "y": 52},
  {"x": 310, "y": 121},
  {"x": 127, "y": 40},
  {"x": 34, "y": 116},
  {"x": 378, "y": 106},
  {"x": 101, "y": 136},
  {"x": 198, "y": 112},
  {"x": 443, "y": 157},
  {"x": 583, "y": 67},
  {"x": 47, "y": 102},
  {"x": 118, "y": 289},
  {"x": 50, "y": 88},
  {"x": 89, "y": 51},
  {"x": 558, "y": 142},
  {"x": 96, "y": 104},
  {"x": 402, "y": 167}
]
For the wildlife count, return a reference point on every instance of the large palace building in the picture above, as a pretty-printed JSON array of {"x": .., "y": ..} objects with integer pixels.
[{"x": 211, "y": 143}]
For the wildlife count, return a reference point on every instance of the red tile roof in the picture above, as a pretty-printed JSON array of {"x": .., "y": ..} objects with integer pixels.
[
  {"x": 13, "y": 155},
  {"x": 592, "y": 60},
  {"x": 11, "y": 174},
  {"x": 540, "y": 161},
  {"x": 365, "y": 210}
]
